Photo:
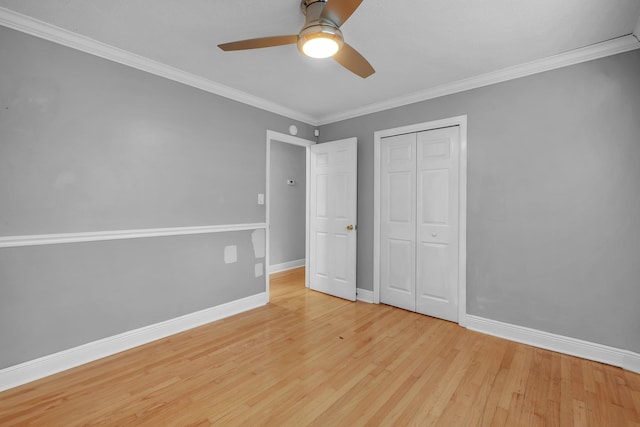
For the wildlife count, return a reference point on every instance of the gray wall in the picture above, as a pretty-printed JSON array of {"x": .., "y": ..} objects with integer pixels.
[
  {"x": 287, "y": 203},
  {"x": 90, "y": 145},
  {"x": 55, "y": 297},
  {"x": 553, "y": 237}
]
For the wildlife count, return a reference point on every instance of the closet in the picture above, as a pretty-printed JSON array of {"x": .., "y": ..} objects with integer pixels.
[{"x": 419, "y": 221}]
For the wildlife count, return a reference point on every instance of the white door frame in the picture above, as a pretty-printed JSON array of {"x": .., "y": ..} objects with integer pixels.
[
  {"x": 460, "y": 121},
  {"x": 294, "y": 140}
]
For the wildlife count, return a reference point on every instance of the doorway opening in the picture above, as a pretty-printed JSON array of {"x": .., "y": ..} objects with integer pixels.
[{"x": 287, "y": 205}]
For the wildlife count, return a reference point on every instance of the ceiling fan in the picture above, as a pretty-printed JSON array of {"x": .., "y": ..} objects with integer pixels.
[{"x": 320, "y": 36}]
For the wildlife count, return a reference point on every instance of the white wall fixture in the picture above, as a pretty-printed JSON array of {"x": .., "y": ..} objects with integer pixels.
[{"x": 293, "y": 130}]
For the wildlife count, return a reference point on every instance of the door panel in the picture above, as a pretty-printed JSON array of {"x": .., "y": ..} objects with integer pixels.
[
  {"x": 340, "y": 255},
  {"x": 322, "y": 182},
  {"x": 435, "y": 196},
  {"x": 333, "y": 187},
  {"x": 342, "y": 196},
  {"x": 434, "y": 147},
  {"x": 400, "y": 198},
  {"x": 434, "y": 265},
  {"x": 320, "y": 261},
  {"x": 400, "y": 254}
]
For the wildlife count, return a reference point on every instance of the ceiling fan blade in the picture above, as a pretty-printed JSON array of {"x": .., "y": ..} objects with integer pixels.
[
  {"x": 259, "y": 43},
  {"x": 350, "y": 59},
  {"x": 338, "y": 11}
]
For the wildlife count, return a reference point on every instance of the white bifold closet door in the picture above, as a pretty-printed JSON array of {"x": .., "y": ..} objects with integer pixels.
[{"x": 419, "y": 222}]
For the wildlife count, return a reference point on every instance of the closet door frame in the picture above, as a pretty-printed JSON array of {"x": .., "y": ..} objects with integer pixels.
[{"x": 461, "y": 122}]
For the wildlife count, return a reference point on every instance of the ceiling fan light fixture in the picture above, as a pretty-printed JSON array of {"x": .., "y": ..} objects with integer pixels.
[
  {"x": 320, "y": 47},
  {"x": 320, "y": 41}
]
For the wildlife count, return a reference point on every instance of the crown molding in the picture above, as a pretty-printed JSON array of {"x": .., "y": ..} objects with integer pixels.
[
  {"x": 35, "y": 27},
  {"x": 576, "y": 56},
  {"x": 43, "y": 30}
]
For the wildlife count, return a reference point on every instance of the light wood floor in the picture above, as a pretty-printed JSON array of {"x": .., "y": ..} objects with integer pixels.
[{"x": 311, "y": 359}]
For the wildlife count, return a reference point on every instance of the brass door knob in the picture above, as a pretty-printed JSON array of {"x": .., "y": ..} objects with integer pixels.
[{"x": 349, "y": 227}]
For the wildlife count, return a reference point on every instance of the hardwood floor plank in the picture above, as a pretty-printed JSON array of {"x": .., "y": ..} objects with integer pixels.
[
  {"x": 554, "y": 392},
  {"x": 311, "y": 359}
]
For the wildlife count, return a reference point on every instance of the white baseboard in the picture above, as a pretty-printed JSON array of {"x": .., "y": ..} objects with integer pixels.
[
  {"x": 276, "y": 268},
  {"x": 364, "y": 295},
  {"x": 631, "y": 362},
  {"x": 32, "y": 370},
  {"x": 587, "y": 350}
]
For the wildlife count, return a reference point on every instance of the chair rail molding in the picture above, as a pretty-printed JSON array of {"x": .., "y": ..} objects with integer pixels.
[{"x": 95, "y": 236}]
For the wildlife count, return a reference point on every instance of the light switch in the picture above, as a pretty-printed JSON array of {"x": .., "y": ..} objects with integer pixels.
[{"x": 260, "y": 199}]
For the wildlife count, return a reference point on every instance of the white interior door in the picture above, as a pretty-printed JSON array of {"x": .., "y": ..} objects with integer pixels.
[
  {"x": 419, "y": 211},
  {"x": 437, "y": 223},
  {"x": 398, "y": 221},
  {"x": 333, "y": 214}
]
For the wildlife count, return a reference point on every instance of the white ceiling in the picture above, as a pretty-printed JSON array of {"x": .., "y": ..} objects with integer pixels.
[{"x": 414, "y": 45}]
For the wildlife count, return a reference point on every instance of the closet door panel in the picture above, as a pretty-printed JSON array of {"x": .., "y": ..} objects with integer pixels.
[
  {"x": 437, "y": 226},
  {"x": 398, "y": 221}
]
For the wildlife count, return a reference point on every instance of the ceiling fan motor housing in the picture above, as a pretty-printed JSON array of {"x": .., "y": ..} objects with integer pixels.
[{"x": 317, "y": 27}]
